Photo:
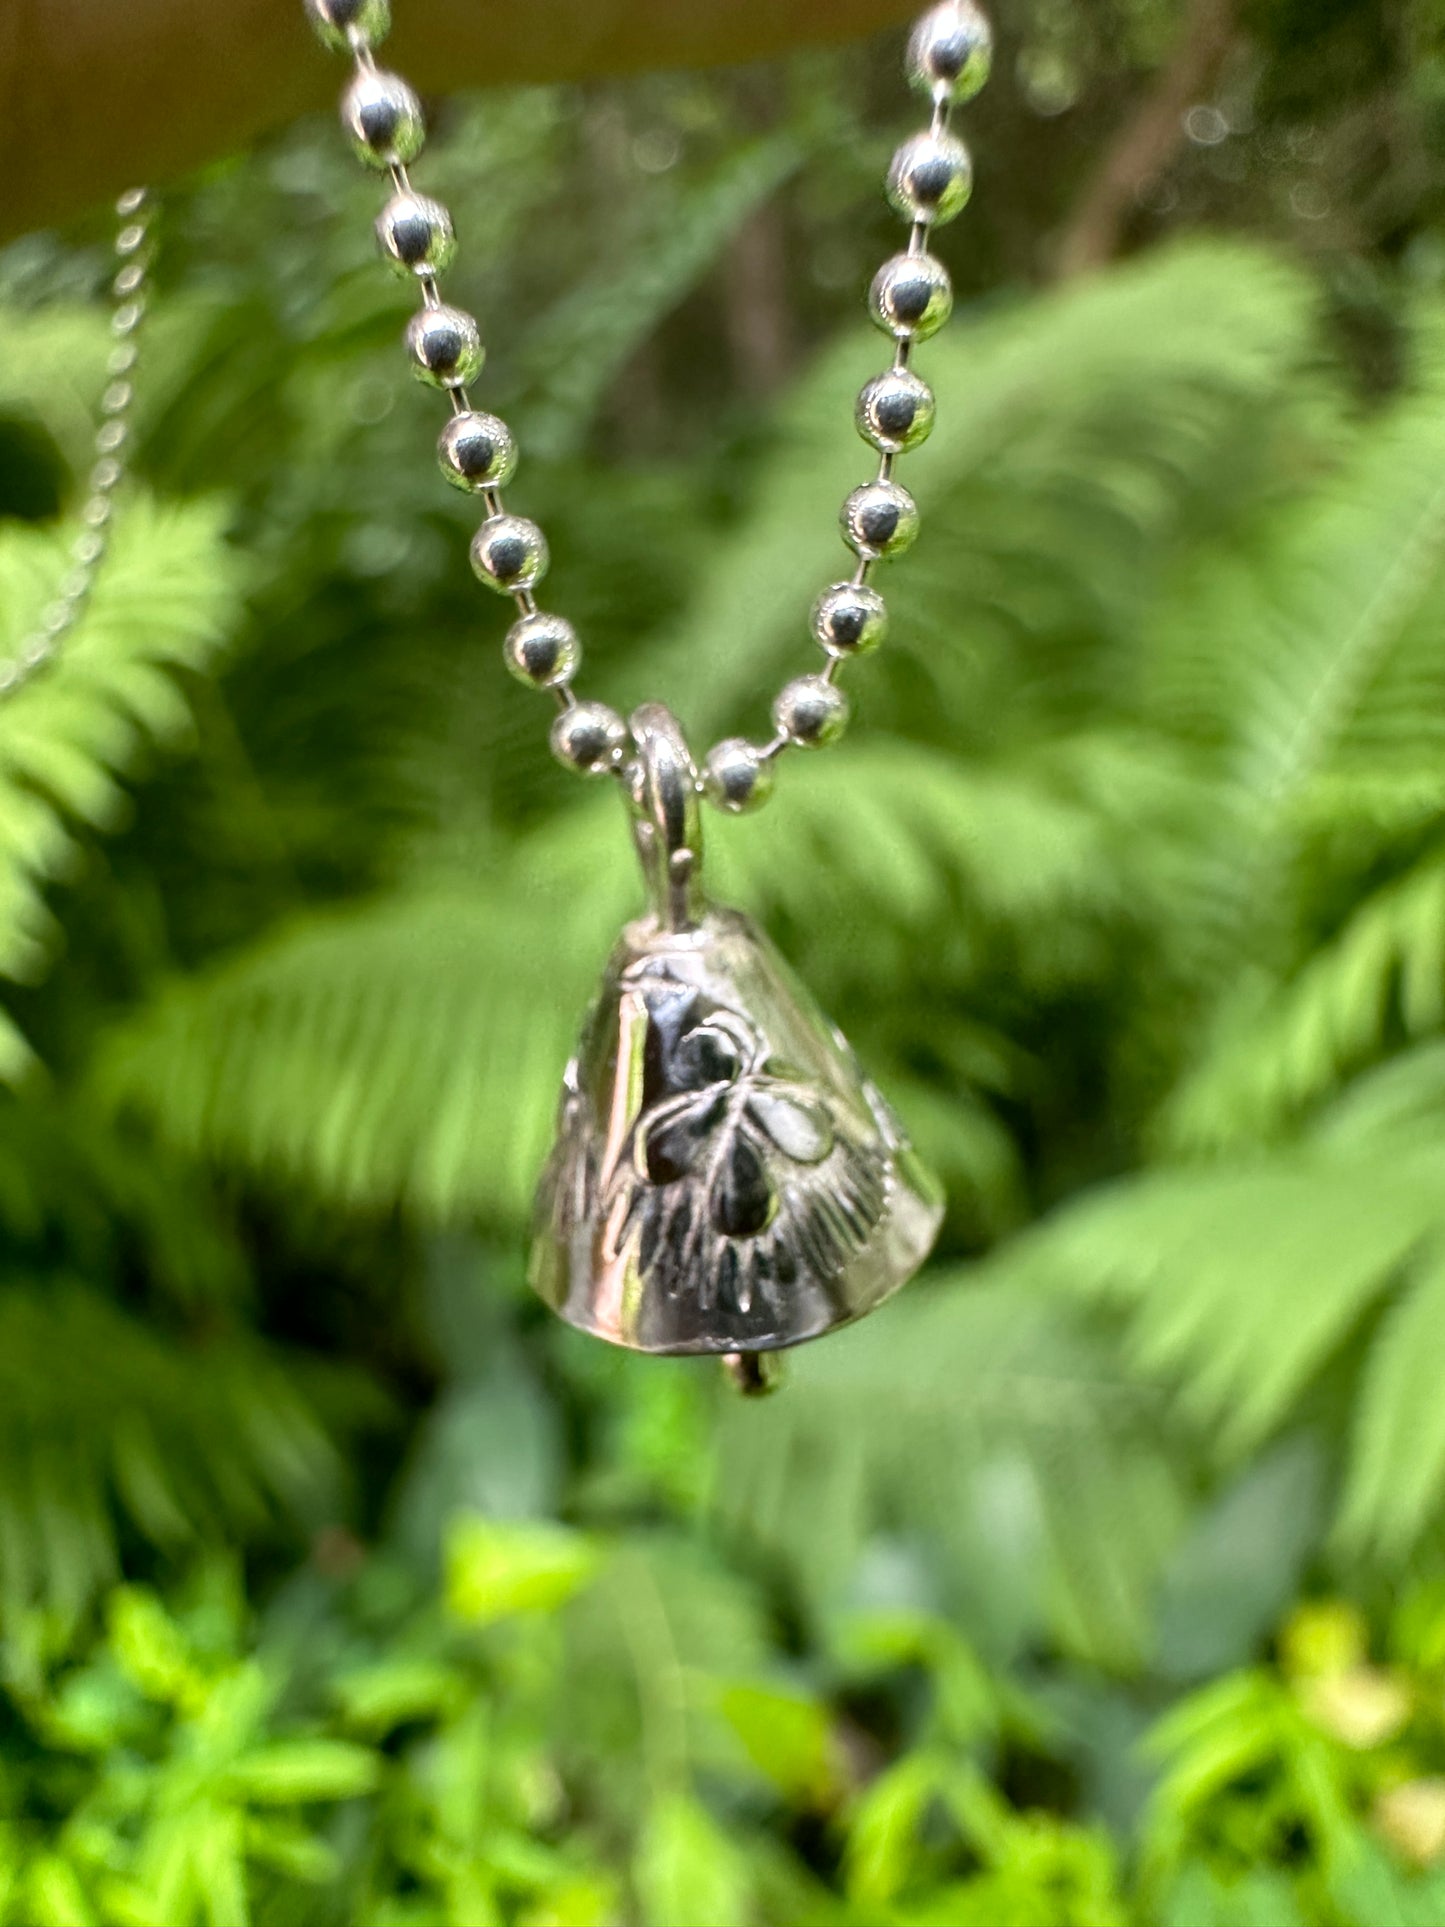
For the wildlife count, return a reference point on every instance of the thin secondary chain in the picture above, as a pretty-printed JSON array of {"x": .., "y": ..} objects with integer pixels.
[
  {"x": 911, "y": 297},
  {"x": 41, "y": 648}
]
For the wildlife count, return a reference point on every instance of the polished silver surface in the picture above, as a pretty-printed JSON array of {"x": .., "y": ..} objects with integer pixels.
[
  {"x": 911, "y": 297},
  {"x": 415, "y": 234},
  {"x": 880, "y": 520},
  {"x": 445, "y": 345},
  {"x": 542, "y": 651},
  {"x": 589, "y": 738},
  {"x": 737, "y": 776},
  {"x": 931, "y": 178},
  {"x": 725, "y": 1180},
  {"x": 896, "y": 412},
  {"x": 383, "y": 117},
  {"x": 477, "y": 451},
  {"x": 811, "y": 712},
  {"x": 950, "y": 52},
  {"x": 850, "y": 619},
  {"x": 346, "y": 24},
  {"x": 509, "y": 554}
]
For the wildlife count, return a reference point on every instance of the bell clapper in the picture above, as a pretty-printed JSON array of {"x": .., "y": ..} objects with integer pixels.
[{"x": 753, "y": 1374}]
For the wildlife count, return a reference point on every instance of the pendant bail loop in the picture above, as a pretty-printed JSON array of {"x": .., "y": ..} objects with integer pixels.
[{"x": 663, "y": 787}]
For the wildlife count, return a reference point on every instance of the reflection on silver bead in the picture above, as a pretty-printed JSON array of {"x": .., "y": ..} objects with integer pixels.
[
  {"x": 911, "y": 297},
  {"x": 446, "y": 346},
  {"x": 736, "y": 777},
  {"x": 931, "y": 178},
  {"x": 589, "y": 737},
  {"x": 477, "y": 451},
  {"x": 384, "y": 118},
  {"x": 896, "y": 412},
  {"x": 811, "y": 712},
  {"x": 950, "y": 52},
  {"x": 416, "y": 234},
  {"x": 850, "y": 619},
  {"x": 880, "y": 519},
  {"x": 542, "y": 651},
  {"x": 336, "y": 21},
  {"x": 509, "y": 554}
]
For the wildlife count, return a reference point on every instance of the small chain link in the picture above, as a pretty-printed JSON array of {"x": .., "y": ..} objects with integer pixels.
[
  {"x": 911, "y": 297},
  {"x": 133, "y": 255}
]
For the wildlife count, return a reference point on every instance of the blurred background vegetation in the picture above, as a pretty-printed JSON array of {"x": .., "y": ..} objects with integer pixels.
[{"x": 1100, "y": 1581}]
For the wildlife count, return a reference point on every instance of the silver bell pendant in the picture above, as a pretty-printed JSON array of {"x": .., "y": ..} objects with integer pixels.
[{"x": 725, "y": 1180}]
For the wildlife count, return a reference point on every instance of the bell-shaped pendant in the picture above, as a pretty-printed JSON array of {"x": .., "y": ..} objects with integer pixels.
[{"x": 725, "y": 1179}]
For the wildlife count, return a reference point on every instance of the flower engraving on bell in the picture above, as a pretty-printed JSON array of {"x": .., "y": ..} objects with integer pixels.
[{"x": 724, "y": 1179}]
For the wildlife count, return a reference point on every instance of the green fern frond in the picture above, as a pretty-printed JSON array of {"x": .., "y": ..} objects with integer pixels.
[
  {"x": 400, "y": 1053},
  {"x": 900, "y": 836},
  {"x": 1240, "y": 1283},
  {"x": 52, "y": 368},
  {"x": 994, "y": 1397},
  {"x": 101, "y": 1419},
  {"x": 1397, "y": 1455},
  {"x": 1241, "y": 1286},
  {"x": 1279, "y": 649},
  {"x": 70, "y": 737},
  {"x": 1287, "y": 655},
  {"x": 1383, "y": 974}
]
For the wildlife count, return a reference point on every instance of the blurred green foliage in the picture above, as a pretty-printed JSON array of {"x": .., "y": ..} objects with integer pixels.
[{"x": 1098, "y": 1581}]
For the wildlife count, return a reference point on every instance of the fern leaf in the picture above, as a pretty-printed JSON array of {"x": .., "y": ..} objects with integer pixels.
[
  {"x": 1397, "y": 1455},
  {"x": 1240, "y": 1283},
  {"x": 100, "y": 1417},
  {"x": 1384, "y": 973},
  {"x": 68, "y": 738},
  {"x": 955, "y": 1396}
]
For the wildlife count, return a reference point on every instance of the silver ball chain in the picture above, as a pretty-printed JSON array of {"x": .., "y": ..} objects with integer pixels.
[
  {"x": 929, "y": 183},
  {"x": 40, "y": 649}
]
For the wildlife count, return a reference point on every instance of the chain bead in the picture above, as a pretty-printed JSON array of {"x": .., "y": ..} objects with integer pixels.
[
  {"x": 880, "y": 520},
  {"x": 896, "y": 412},
  {"x": 911, "y": 297},
  {"x": 416, "y": 235},
  {"x": 341, "y": 24},
  {"x": 811, "y": 712},
  {"x": 931, "y": 179},
  {"x": 950, "y": 52},
  {"x": 59, "y": 618},
  {"x": 737, "y": 777},
  {"x": 543, "y": 651},
  {"x": 589, "y": 737},
  {"x": 445, "y": 346},
  {"x": 477, "y": 451},
  {"x": 850, "y": 619},
  {"x": 384, "y": 118},
  {"x": 509, "y": 554}
]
